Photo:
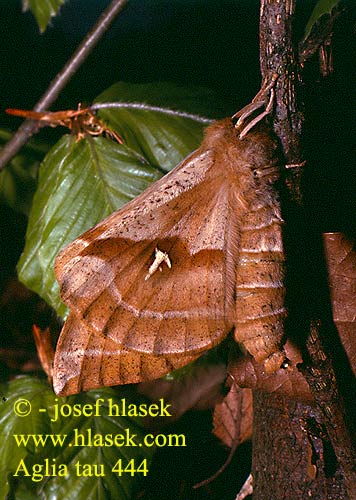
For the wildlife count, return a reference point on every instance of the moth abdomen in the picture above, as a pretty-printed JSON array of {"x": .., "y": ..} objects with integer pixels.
[{"x": 260, "y": 291}]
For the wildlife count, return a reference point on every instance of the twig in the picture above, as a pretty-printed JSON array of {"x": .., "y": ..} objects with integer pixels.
[
  {"x": 221, "y": 469},
  {"x": 148, "y": 107},
  {"x": 30, "y": 127}
]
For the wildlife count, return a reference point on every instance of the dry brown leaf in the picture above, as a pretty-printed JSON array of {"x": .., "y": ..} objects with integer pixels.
[
  {"x": 82, "y": 121},
  {"x": 45, "y": 352},
  {"x": 340, "y": 257},
  {"x": 233, "y": 417}
]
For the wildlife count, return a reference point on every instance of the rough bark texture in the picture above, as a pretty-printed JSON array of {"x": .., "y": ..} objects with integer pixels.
[
  {"x": 295, "y": 460},
  {"x": 299, "y": 451},
  {"x": 279, "y": 56}
]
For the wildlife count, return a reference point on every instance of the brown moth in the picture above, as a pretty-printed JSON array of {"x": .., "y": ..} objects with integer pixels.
[{"x": 170, "y": 274}]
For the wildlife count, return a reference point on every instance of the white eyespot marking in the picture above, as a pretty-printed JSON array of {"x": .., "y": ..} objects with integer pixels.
[{"x": 160, "y": 257}]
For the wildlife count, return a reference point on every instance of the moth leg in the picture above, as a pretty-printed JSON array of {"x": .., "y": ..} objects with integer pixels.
[
  {"x": 266, "y": 87},
  {"x": 257, "y": 102},
  {"x": 260, "y": 100},
  {"x": 260, "y": 117}
]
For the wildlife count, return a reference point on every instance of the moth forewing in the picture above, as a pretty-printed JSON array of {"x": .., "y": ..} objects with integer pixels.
[{"x": 170, "y": 318}]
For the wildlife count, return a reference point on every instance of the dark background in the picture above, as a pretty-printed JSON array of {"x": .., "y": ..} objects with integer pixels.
[
  {"x": 196, "y": 42},
  {"x": 200, "y": 42}
]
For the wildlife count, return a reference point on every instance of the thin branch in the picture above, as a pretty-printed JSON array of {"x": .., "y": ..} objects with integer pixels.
[
  {"x": 148, "y": 107},
  {"x": 30, "y": 127}
]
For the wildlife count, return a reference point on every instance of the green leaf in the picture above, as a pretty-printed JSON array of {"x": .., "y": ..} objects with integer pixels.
[
  {"x": 18, "y": 179},
  {"x": 43, "y": 10},
  {"x": 4, "y": 486},
  {"x": 162, "y": 137},
  {"x": 80, "y": 183},
  {"x": 67, "y": 448},
  {"x": 38, "y": 394},
  {"x": 321, "y": 8}
]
